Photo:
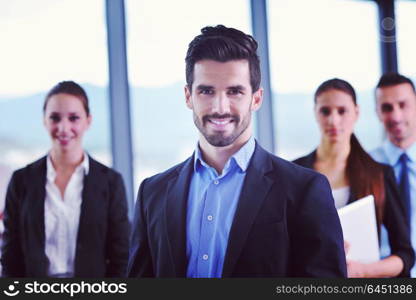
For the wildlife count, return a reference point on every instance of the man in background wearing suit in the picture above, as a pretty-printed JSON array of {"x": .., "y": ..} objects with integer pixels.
[
  {"x": 396, "y": 109},
  {"x": 232, "y": 209}
]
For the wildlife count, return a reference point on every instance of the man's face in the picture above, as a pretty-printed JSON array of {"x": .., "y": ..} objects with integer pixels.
[
  {"x": 396, "y": 108},
  {"x": 222, "y": 101}
]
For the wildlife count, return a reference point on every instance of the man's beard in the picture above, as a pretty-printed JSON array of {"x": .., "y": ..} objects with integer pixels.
[{"x": 219, "y": 139}]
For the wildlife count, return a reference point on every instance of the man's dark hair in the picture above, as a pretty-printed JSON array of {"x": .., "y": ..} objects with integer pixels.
[
  {"x": 71, "y": 88},
  {"x": 336, "y": 84},
  {"x": 223, "y": 44},
  {"x": 392, "y": 78}
]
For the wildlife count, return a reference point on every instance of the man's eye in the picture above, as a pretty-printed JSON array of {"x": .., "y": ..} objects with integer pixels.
[
  {"x": 206, "y": 92},
  {"x": 234, "y": 91},
  {"x": 325, "y": 111},
  {"x": 386, "y": 108}
]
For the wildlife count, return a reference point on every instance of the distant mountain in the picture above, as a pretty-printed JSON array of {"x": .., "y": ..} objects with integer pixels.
[
  {"x": 298, "y": 131},
  {"x": 22, "y": 119},
  {"x": 161, "y": 122}
]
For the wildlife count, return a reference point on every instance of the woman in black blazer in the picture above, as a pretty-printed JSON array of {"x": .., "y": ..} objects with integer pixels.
[
  {"x": 66, "y": 214},
  {"x": 353, "y": 174}
]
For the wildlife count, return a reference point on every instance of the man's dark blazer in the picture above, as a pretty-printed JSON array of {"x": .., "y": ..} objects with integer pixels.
[
  {"x": 104, "y": 228},
  {"x": 394, "y": 216},
  {"x": 285, "y": 224}
]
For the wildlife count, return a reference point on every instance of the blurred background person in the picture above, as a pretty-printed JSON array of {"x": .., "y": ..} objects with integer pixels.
[
  {"x": 65, "y": 214},
  {"x": 353, "y": 174},
  {"x": 396, "y": 109}
]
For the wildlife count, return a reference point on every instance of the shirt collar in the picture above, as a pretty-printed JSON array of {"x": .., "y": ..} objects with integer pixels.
[
  {"x": 241, "y": 157},
  {"x": 393, "y": 152},
  {"x": 51, "y": 172},
  {"x": 411, "y": 152}
]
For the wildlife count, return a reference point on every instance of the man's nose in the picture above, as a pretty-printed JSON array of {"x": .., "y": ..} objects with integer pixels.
[
  {"x": 395, "y": 114},
  {"x": 221, "y": 104}
]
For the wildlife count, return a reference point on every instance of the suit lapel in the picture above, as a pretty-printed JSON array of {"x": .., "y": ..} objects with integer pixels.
[
  {"x": 89, "y": 192},
  {"x": 255, "y": 188},
  {"x": 36, "y": 194},
  {"x": 94, "y": 185},
  {"x": 175, "y": 212},
  {"x": 35, "y": 216}
]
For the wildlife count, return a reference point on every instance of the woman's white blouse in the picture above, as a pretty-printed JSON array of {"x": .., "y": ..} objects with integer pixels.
[
  {"x": 341, "y": 196},
  {"x": 62, "y": 219}
]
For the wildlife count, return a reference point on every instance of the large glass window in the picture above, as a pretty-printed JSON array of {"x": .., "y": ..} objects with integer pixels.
[
  {"x": 44, "y": 42},
  {"x": 405, "y": 31},
  {"x": 310, "y": 42},
  {"x": 158, "y": 36}
]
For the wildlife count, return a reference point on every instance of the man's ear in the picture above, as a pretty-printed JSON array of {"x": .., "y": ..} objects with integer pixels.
[
  {"x": 378, "y": 111},
  {"x": 188, "y": 96},
  {"x": 378, "y": 106},
  {"x": 257, "y": 99}
]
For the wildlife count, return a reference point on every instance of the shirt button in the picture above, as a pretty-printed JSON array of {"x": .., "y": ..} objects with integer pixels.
[
  {"x": 216, "y": 182},
  {"x": 209, "y": 218},
  {"x": 205, "y": 257}
]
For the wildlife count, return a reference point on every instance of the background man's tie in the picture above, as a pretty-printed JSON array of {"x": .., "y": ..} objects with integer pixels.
[{"x": 405, "y": 185}]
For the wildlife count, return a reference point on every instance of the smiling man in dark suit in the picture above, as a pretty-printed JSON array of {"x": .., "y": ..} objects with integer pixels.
[{"x": 232, "y": 209}]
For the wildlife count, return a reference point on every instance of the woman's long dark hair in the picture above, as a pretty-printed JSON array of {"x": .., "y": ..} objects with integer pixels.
[{"x": 364, "y": 175}]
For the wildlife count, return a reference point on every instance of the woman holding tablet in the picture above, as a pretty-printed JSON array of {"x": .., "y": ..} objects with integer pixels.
[{"x": 353, "y": 174}]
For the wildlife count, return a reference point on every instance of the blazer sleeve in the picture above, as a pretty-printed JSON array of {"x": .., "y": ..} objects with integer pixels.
[
  {"x": 318, "y": 244},
  {"x": 394, "y": 220},
  {"x": 140, "y": 261},
  {"x": 118, "y": 230},
  {"x": 12, "y": 258}
]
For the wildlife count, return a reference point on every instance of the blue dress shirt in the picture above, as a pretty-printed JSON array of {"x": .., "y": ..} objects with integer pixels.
[
  {"x": 390, "y": 154},
  {"x": 212, "y": 202}
]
